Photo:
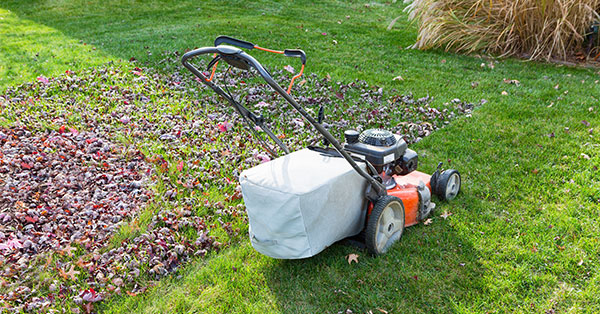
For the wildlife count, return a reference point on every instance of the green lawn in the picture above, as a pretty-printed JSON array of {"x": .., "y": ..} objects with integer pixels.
[{"x": 523, "y": 235}]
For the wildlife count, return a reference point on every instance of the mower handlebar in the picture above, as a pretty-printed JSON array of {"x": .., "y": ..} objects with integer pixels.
[
  {"x": 377, "y": 191},
  {"x": 233, "y": 41}
]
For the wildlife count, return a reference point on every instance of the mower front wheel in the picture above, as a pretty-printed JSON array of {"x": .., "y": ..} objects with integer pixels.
[
  {"x": 448, "y": 185},
  {"x": 385, "y": 225}
]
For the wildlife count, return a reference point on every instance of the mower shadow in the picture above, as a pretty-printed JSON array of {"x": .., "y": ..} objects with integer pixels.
[{"x": 431, "y": 270}]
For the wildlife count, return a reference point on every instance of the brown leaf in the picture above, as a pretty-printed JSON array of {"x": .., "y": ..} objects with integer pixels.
[
  {"x": 382, "y": 311},
  {"x": 89, "y": 307},
  {"x": 535, "y": 171},
  {"x": 67, "y": 250},
  {"x": 446, "y": 214},
  {"x": 69, "y": 274},
  {"x": 352, "y": 258},
  {"x": 507, "y": 81},
  {"x": 398, "y": 78},
  {"x": 428, "y": 222},
  {"x": 48, "y": 261}
]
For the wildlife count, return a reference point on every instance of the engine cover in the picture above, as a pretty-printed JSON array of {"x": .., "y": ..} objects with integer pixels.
[{"x": 379, "y": 147}]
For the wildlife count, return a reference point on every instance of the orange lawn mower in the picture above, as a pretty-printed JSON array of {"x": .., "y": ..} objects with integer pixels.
[{"x": 304, "y": 201}]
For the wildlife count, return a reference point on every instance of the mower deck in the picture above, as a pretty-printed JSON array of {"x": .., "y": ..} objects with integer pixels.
[{"x": 406, "y": 190}]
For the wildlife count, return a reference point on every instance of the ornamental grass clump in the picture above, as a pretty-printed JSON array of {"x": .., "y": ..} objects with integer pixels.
[{"x": 536, "y": 29}]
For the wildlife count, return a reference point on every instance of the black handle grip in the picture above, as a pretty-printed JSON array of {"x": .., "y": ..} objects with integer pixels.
[
  {"x": 295, "y": 53},
  {"x": 233, "y": 41}
]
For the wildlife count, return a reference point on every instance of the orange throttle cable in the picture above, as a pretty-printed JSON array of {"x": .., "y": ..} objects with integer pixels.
[
  {"x": 294, "y": 78},
  {"x": 213, "y": 70},
  {"x": 268, "y": 50},
  {"x": 282, "y": 52}
]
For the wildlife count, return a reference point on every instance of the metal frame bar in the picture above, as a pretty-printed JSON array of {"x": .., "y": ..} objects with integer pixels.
[{"x": 374, "y": 180}]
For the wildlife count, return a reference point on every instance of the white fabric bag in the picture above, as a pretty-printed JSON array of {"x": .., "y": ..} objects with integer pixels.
[{"x": 303, "y": 202}]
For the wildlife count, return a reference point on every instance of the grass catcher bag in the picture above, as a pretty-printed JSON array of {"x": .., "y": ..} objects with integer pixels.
[{"x": 303, "y": 202}]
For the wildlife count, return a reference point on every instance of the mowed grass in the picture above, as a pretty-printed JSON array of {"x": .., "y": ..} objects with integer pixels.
[{"x": 523, "y": 234}]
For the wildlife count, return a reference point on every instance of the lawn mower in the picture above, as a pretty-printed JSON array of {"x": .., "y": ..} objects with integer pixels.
[{"x": 304, "y": 201}]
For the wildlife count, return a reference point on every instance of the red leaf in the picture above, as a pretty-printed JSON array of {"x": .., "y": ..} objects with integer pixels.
[
  {"x": 25, "y": 165},
  {"x": 180, "y": 166},
  {"x": 62, "y": 129},
  {"x": 30, "y": 219}
]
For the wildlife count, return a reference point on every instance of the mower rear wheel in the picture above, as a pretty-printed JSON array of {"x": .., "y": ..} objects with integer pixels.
[
  {"x": 448, "y": 185},
  {"x": 385, "y": 225}
]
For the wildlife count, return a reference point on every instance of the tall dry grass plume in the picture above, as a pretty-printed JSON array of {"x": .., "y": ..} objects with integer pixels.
[{"x": 537, "y": 29}]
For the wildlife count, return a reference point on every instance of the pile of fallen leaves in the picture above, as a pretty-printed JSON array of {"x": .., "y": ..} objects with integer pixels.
[{"x": 155, "y": 155}]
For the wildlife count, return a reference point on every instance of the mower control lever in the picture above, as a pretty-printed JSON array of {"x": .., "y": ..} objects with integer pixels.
[{"x": 295, "y": 53}]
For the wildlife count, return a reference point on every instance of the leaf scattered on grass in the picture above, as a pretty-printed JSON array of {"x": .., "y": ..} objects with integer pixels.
[
  {"x": 508, "y": 81},
  {"x": 289, "y": 68},
  {"x": 446, "y": 214},
  {"x": 352, "y": 258}
]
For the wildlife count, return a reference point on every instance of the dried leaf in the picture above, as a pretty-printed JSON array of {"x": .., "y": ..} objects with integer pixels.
[
  {"x": 289, "y": 68},
  {"x": 71, "y": 274},
  {"x": 508, "y": 81},
  {"x": 352, "y": 258},
  {"x": 446, "y": 214}
]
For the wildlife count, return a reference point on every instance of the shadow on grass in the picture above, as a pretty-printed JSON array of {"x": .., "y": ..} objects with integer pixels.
[{"x": 431, "y": 270}]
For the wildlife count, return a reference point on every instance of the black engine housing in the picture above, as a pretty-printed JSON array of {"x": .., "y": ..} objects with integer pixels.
[{"x": 381, "y": 147}]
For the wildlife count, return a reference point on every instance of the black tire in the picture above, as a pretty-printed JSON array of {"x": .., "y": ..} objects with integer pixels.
[
  {"x": 382, "y": 229},
  {"x": 448, "y": 185}
]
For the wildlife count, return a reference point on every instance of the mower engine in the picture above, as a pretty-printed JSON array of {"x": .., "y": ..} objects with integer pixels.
[
  {"x": 396, "y": 165},
  {"x": 387, "y": 152}
]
